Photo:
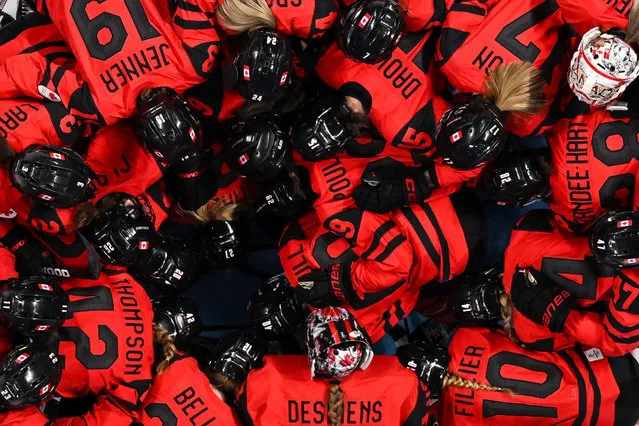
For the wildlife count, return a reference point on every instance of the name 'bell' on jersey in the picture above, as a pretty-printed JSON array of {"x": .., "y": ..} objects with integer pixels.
[
  {"x": 595, "y": 160},
  {"x": 182, "y": 396}
]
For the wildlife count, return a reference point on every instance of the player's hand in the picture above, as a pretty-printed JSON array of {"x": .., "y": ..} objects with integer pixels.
[
  {"x": 388, "y": 187},
  {"x": 323, "y": 288},
  {"x": 430, "y": 363},
  {"x": 535, "y": 296}
]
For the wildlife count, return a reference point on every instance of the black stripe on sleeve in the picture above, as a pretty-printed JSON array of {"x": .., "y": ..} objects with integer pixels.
[
  {"x": 192, "y": 25},
  {"x": 596, "y": 404},
  {"x": 442, "y": 242},
  {"x": 377, "y": 237},
  {"x": 390, "y": 247},
  {"x": 423, "y": 236},
  {"x": 468, "y": 8},
  {"x": 581, "y": 384}
]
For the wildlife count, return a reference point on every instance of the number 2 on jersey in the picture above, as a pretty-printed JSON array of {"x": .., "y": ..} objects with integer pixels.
[{"x": 105, "y": 34}]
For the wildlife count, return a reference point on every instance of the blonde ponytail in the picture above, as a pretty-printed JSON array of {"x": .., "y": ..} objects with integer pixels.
[
  {"x": 456, "y": 381},
  {"x": 161, "y": 338},
  {"x": 239, "y": 16},
  {"x": 517, "y": 88},
  {"x": 335, "y": 406},
  {"x": 214, "y": 209},
  {"x": 507, "y": 312},
  {"x": 632, "y": 33}
]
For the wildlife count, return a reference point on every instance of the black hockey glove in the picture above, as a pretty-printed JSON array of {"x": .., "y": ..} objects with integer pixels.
[
  {"x": 535, "y": 296},
  {"x": 385, "y": 188},
  {"x": 323, "y": 288},
  {"x": 430, "y": 363}
]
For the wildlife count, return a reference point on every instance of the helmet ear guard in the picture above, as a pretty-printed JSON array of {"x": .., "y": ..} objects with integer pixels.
[
  {"x": 614, "y": 239},
  {"x": 179, "y": 316}
]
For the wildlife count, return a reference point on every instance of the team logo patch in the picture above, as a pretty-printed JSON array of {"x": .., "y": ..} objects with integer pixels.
[
  {"x": 45, "y": 197},
  {"x": 57, "y": 156},
  {"x": 143, "y": 245},
  {"x": 247, "y": 73},
  {"x": 192, "y": 134},
  {"x": 49, "y": 94},
  {"x": 41, "y": 328},
  {"x": 365, "y": 19},
  {"x": 45, "y": 287},
  {"x": 631, "y": 261},
  {"x": 243, "y": 159},
  {"x": 45, "y": 389},
  {"x": 624, "y": 223},
  {"x": 283, "y": 79},
  {"x": 456, "y": 136},
  {"x": 22, "y": 358}
]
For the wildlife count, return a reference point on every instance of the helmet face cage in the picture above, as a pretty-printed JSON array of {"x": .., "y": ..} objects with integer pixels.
[
  {"x": 615, "y": 239},
  {"x": 168, "y": 127},
  {"x": 471, "y": 134},
  {"x": 28, "y": 375},
  {"x": 56, "y": 176},
  {"x": 601, "y": 68},
  {"x": 265, "y": 67},
  {"x": 370, "y": 30},
  {"x": 337, "y": 345}
]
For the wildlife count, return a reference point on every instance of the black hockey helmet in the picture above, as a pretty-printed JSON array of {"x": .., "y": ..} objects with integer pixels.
[
  {"x": 28, "y": 375},
  {"x": 33, "y": 305},
  {"x": 282, "y": 199},
  {"x": 263, "y": 68},
  {"x": 320, "y": 128},
  {"x": 615, "y": 239},
  {"x": 240, "y": 353},
  {"x": 471, "y": 134},
  {"x": 516, "y": 178},
  {"x": 167, "y": 264},
  {"x": 370, "y": 30},
  {"x": 166, "y": 125},
  {"x": 224, "y": 240},
  {"x": 122, "y": 233},
  {"x": 258, "y": 148},
  {"x": 54, "y": 175},
  {"x": 477, "y": 300},
  {"x": 179, "y": 316}
]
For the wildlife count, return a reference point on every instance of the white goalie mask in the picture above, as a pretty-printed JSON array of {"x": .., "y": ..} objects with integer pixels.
[{"x": 601, "y": 68}]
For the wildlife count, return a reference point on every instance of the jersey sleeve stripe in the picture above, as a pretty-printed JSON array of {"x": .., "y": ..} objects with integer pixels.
[
  {"x": 423, "y": 236},
  {"x": 390, "y": 247},
  {"x": 443, "y": 243},
  {"x": 595, "y": 389},
  {"x": 581, "y": 384},
  {"x": 377, "y": 237},
  {"x": 192, "y": 25},
  {"x": 468, "y": 8}
]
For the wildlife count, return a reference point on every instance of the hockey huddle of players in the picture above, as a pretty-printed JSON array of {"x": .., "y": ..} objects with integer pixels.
[{"x": 143, "y": 142}]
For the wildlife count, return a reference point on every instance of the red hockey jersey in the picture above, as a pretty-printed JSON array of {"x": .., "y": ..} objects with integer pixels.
[
  {"x": 595, "y": 165},
  {"x": 568, "y": 387},
  {"x": 29, "y": 416},
  {"x": 283, "y": 393},
  {"x": 303, "y": 18},
  {"x": 390, "y": 256},
  {"x": 583, "y": 15},
  {"x": 183, "y": 397},
  {"x": 401, "y": 92},
  {"x": 479, "y": 35},
  {"x": 7, "y": 264},
  {"x": 121, "y": 48},
  {"x": 106, "y": 345},
  {"x": 567, "y": 260}
]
